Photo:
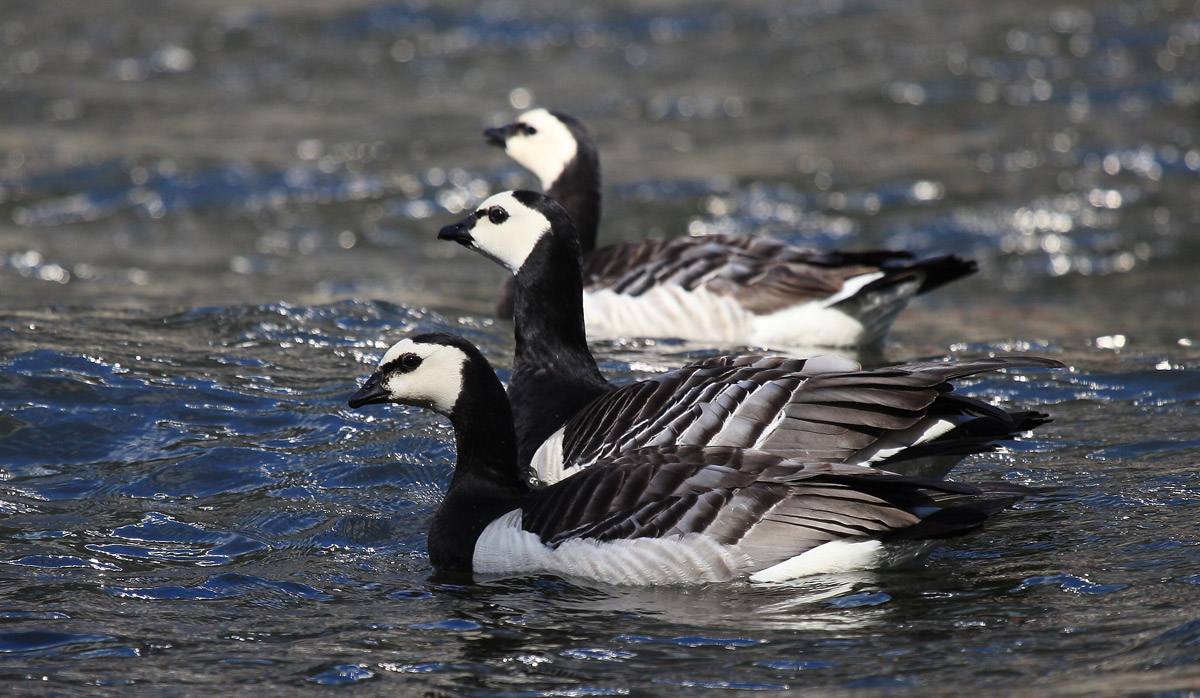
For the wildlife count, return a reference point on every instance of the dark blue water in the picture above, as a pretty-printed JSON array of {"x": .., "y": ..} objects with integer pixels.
[{"x": 214, "y": 219}]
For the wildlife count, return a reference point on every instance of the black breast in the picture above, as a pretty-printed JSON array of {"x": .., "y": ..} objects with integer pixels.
[
  {"x": 468, "y": 508},
  {"x": 543, "y": 400}
]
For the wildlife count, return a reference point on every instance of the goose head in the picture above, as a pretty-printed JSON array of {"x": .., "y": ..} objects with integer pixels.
[
  {"x": 507, "y": 227},
  {"x": 426, "y": 371},
  {"x": 541, "y": 141}
]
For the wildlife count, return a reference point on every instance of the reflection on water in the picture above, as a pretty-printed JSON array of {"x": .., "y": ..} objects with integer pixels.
[{"x": 214, "y": 218}]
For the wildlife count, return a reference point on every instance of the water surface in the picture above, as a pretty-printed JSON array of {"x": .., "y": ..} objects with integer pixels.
[{"x": 214, "y": 219}]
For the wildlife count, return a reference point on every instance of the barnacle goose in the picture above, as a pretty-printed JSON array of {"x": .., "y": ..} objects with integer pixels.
[
  {"x": 723, "y": 288},
  {"x": 568, "y": 417},
  {"x": 657, "y": 515}
]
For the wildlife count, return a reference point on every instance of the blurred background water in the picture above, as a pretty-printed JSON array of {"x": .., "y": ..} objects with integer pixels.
[{"x": 215, "y": 215}]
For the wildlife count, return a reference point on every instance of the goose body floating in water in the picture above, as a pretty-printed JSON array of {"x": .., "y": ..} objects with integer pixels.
[
  {"x": 733, "y": 289},
  {"x": 824, "y": 409},
  {"x": 657, "y": 515}
]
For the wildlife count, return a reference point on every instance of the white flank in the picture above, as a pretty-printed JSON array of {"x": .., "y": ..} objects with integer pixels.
[
  {"x": 547, "y": 461},
  {"x": 667, "y": 310},
  {"x": 833, "y": 557},
  {"x": 510, "y": 241},
  {"x": 829, "y": 363},
  {"x": 438, "y": 380},
  {"x": 670, "y": 310},
  {"x": 809, "y": 324},
  {"x": 840, "y": 556},
  {"x": 545, "y": 153},
  {"x": 504, "y": 548}
]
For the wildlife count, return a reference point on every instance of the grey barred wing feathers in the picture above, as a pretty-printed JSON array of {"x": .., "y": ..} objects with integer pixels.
[
  {"x": 751, "y": 289},
  {"x": 758, "y": 510},
  {"x": 643, "y": 492},
  {"x": 820, "y": 409},
  {"x": 695, "y": 404},
  {"x": 764, "y": 275}
]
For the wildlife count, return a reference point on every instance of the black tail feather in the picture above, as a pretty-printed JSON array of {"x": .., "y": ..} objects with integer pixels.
[
  {"x": 982, "y": 434},
  {"x": 964, "y": 512},
  {"x": 1029, "y": 420},
  {"x": 929, "y": 273},
  {"x": 940, "y": 271},
  {"x": 945, "y": 508},
  {"x": 944, "y": 523}
]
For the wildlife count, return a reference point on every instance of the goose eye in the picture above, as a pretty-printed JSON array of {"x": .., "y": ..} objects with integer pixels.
[
  {"x": 409, "y": 361},
  {"x": 497, "y": 215},
  {"x": 529, "y": 130}
]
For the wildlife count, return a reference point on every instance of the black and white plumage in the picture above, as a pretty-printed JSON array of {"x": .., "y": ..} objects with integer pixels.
[
  {"x": 568, "y": 417},
  {"x": 723, "y": 288},
  {"x": 670, "y": 515},
  {"x": 900, "y": 418},
  {"x": 554, "y": 374}
]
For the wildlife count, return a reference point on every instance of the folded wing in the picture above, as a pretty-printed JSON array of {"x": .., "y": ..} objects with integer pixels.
[
  {"x": 758, "y": 509},
  {"x": 822, "y": 409},
  {"x": 762, "y": 274}
]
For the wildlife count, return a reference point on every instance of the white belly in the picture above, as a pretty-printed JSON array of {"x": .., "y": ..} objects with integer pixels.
[
  {"x": 810, "y": 324},
  {"x": 695, "y": 558},
  {"x": 504, "y": 548},
  {"x": 700, "y": 315},
  {"x": 837, "y": 557},
  {"x": 666, "y": 311}
]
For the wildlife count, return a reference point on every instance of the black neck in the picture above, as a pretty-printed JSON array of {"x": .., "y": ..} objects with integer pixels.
[
  {"x": 554, "y": 374},
  {"x": 483, "y": 431},
  {"x": 486, "y": 482},
  {"x": 577, "y": 189},
  {"x": 548, "y": 305}
]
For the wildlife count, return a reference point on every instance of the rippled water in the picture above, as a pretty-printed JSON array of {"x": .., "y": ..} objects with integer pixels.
[{"x": 213, "y": 221}]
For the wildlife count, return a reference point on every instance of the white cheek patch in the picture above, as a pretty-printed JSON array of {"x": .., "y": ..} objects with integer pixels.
[
  {"x": 510, "y": 242},
  {"x": 437, "y": 381},
  {"x": 545, "y": 153}
]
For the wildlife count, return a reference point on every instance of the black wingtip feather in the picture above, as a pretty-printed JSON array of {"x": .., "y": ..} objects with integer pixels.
[
  {"x": 940, "y": 271},
  {"x": 954, "y": 370},
  {"x": 946, "y": 523},
  {"x": 1028, "y": 421},
  {"x": 932, "y": 272},
  {"x": 957, "y": 507}
]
